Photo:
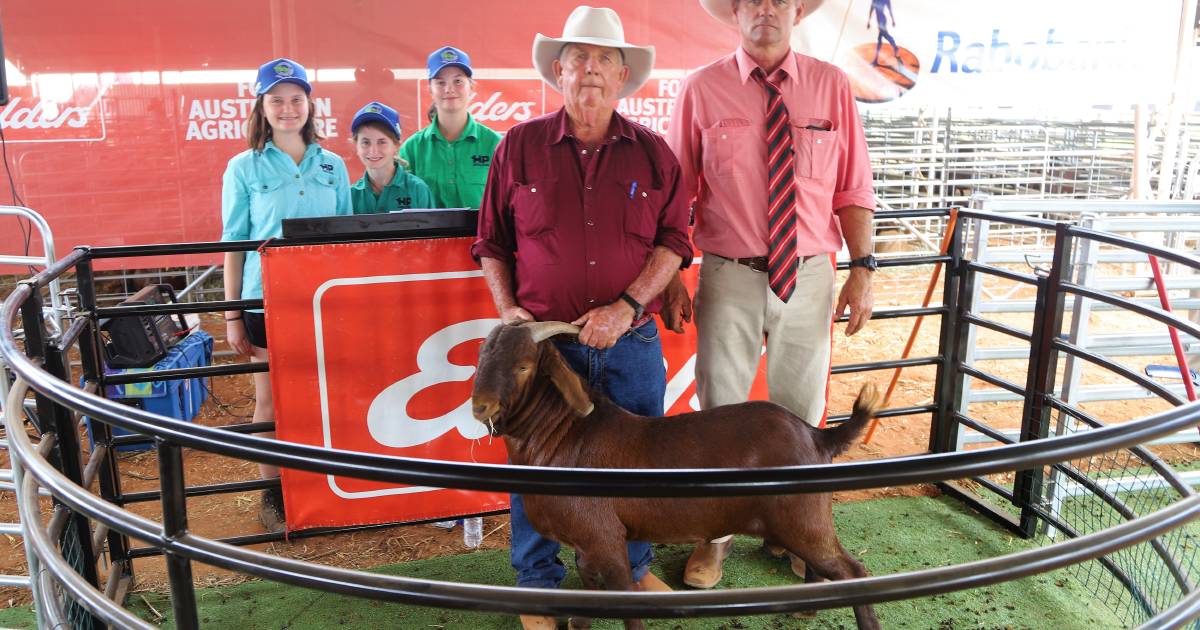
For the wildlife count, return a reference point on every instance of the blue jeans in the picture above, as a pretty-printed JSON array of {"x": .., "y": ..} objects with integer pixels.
[{"x": 631, "y": 374}]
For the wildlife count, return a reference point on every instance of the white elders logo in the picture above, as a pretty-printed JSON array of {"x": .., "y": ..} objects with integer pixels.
[
  {"x": 395, "y": 417},
  {"x": 495, "y": 109},
  {"x": 500, "y": 103},
  {"x": 31, "y": 119},
  {"x": 387, "y": 418}
]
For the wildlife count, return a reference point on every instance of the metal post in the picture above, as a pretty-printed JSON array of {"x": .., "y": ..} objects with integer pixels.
[
  {"x": 174, "y": 507},
  {"x": 1081, "y": 310},
  {"x": 93, "y": 372},
  {"x": 948, "y": 382},
  {"x": 77, "y": 534},
  {"x": 974, "y": 299},
  {"x": 35, "y": 342},
  {"x": 1043, "y": 359},
  {"x": 18, "y": 476}
]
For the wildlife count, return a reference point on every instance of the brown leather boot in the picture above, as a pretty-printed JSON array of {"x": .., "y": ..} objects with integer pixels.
[
  {"x": 652, "y": 584},
  {"x": 534, "y": 622},
  {"x": 706, "y": 565},
  {"x": 270, "y": 510}
]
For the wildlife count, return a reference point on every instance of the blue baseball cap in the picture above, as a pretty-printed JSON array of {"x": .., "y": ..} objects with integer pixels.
[
  {"x": 281, "y": 70},
  {"x": 377, "y": 112},
  {"x": 448, "y": 56}
]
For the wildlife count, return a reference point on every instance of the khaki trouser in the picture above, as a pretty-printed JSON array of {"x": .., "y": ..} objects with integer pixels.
[{"x": 735, "y": 308}]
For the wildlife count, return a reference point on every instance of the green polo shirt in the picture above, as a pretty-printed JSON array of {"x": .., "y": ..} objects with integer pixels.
[
  {"x": 455, "y": 171},
  {"x": 403, "y": 192}
]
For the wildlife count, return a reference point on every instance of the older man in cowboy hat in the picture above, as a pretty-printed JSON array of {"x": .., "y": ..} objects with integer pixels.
[
  {"x": 592, "y": 202},
  {"x": 775, "y": 163}
]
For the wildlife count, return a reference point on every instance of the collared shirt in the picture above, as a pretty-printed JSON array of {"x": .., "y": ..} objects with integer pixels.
[
  {"x": 455, "y": 171},
  {"x": 261, "y": 189},
  {"x": 718, "y": 131},
  {"x": 579, "y": 224},
  {"x": 403, "y": 192}
]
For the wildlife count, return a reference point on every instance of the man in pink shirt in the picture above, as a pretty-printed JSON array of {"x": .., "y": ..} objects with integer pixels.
[{"x": 737, "y": 147}]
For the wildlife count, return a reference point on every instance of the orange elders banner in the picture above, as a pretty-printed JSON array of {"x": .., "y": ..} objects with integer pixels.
[{"x": 373, "y": 348}]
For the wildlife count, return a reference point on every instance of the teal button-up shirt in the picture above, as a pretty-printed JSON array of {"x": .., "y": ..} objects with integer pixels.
[
  {"x": 261, "y": 189},
  {"x": 403, "y": 192}
]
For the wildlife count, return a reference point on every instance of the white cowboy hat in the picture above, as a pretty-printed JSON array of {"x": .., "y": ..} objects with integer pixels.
[
  {"x": 723, "y": 9},
  {"x": 599, "y": 27}
]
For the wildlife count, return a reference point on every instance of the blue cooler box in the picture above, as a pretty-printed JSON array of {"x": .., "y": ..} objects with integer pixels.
[{"x": 179, "y": 399}]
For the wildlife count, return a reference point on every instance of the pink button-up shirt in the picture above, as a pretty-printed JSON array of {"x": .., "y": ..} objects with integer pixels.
[{"x": 718, "y": 131}]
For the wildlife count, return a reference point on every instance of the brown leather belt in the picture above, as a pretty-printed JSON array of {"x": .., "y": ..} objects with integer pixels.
[{"x": 759, "y": 263}]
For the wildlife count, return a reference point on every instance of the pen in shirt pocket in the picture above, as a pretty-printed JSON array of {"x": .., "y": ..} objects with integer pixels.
[
  {"x": 633, "y": 189},
  {"x": 818, "y": 124}
]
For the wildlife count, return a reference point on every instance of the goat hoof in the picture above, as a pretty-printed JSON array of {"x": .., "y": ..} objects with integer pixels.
[
  {"x": 775, "y": 550},
  {"x": 799, "y": 568}
]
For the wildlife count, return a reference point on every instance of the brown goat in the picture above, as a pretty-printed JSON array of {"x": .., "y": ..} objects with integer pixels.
[{"x": 526, "y": 393}]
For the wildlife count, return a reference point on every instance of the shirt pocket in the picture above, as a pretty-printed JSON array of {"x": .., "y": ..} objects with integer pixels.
[
  {"x": 267, "y": 185},
  {"x": 815, "y": 142},
  {"x": 532, "y": 204},
  {"x": 268, "y": 203},
  {"x": 641, "y": 209},
  {"x": 324, "y": 191},
  {"x": 723, "y": 145}
]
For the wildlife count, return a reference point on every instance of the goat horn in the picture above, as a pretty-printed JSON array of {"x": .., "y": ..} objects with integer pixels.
[{"x": 542, "y": 331}]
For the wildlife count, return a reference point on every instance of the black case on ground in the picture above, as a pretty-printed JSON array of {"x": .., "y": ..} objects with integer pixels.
[{"x": 138, "y": 341}]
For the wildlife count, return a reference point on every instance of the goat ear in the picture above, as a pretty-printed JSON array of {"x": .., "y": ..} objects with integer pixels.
[{"x": 566, "y": 380}]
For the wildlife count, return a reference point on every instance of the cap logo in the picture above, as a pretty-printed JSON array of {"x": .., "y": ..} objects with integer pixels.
[
  {"x": 283, "y": 70},
  {"x": 374, "y": 109},
  {"x": 449, "y": 55}
]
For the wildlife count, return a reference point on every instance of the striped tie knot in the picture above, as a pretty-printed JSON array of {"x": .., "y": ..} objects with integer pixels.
[{"x": 782, "y": 261}]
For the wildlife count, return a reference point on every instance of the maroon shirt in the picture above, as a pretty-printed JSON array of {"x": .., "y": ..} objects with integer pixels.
[{"x": 578, "y": 225}]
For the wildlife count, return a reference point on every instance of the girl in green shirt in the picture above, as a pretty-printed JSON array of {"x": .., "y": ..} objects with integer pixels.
[
  {"x": 451, "y": 154},
  {"x": 385, "y": 186}
]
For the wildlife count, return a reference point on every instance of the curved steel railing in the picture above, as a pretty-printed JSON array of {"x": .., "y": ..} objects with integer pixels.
[
  {"x": 180, "y": 545},
  {"x": 595, "y": 603}
]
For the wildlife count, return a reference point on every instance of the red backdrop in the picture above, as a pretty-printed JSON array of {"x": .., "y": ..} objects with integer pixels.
[{"x": 124, "y": 116}]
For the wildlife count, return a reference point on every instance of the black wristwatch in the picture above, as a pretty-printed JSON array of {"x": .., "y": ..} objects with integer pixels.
[
  {"x": 867, "y": 261},
  {"x": 638, "y": 309}
]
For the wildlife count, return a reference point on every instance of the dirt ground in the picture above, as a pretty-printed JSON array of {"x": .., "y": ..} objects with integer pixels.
[{"x": 232, "y": 402}]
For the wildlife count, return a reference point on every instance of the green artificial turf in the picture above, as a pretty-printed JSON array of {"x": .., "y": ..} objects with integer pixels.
[{"x": 888, "y": 535}]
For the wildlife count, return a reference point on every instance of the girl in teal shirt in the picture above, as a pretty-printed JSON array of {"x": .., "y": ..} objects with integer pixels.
[
  {"x": 386, "y": 186},
  {"x": 284, "y": 174}
]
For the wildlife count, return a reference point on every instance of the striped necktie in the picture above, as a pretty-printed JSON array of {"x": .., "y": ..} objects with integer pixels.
[{"x": 781, "y": 193}]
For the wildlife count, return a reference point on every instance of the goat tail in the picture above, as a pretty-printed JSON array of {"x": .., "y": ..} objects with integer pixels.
[{"x": 837, "y": 439}]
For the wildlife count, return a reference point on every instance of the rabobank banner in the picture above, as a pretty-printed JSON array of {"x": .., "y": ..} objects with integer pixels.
[{"x": 984, "y": 52}]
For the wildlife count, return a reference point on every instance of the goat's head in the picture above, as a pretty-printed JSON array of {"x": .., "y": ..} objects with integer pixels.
[{"x": 515, "y": 357}]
